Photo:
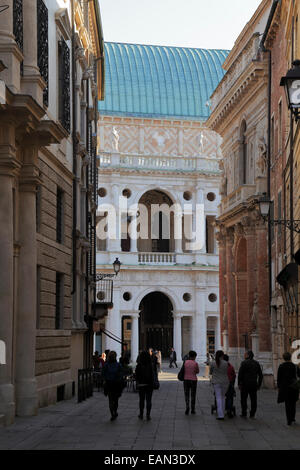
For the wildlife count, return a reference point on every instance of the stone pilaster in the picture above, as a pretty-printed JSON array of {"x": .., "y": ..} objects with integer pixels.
[
  {"x": 231, "y": 303},
  {"x": 200, "y": 326},
  {"x": 178, "y": 336},
  {"x": 26, "y": 387},
  {"x": 8, "y": 166},
  {"x": 134, "y": 337}
]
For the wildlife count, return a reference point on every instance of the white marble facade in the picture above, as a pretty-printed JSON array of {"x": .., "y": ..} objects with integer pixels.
[{"x": 178, "y": 159}]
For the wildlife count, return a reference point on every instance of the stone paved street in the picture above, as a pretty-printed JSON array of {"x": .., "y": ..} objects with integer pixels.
[{"x": 87, "y": 426}]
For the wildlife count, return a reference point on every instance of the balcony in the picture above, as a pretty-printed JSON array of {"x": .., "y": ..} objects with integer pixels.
[
  {"x": 199, "y": 164},
  {"x": 239, "y": 196},
  {"x": 152, "y": 260}
]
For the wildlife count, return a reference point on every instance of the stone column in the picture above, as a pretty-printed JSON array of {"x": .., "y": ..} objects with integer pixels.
[
  {"x": 178, "y": 233},
  {"x": 32, "y": 83},
  {"x": 114, "y": 245},
  {"x": 178, "y": 337},
  {"x": 221, "y": 239},
  {"x": 249, "y": 233},
  {"x": 26, "y": 387},
  {"x": 133, "y": 228},
  {"x": 114, "y": 324},
  {"x": 231, "y": 303},
  {"x": 134, "y": 337},
  {"x": 8, "y": 164},
  {"x": 200, "y": 325},
  {"x": 200, "y": 225},
  {"x": 217, "y": 334}
]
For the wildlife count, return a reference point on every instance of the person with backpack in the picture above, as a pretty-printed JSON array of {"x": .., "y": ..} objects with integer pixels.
[
  {"x": 113, "y": 377},
  {"x": 288, "y": 387},
  {"x": 220, "y": 382},
  {"x": 145, "y": 378},
  {"x": 250, "y": 378},
  {"x": 191, "y": 369}
]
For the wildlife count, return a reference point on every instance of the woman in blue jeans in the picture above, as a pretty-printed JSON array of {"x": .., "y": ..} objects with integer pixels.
[
  {"x": 220, "y": 382},
  {"x": 145, "y": 381}
]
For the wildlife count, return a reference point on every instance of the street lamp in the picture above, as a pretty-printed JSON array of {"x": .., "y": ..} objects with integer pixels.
[
  {"x": 265, "y": 204},
  {"x": 291, "y": 83},
  {"x": 116, "y": 265}
]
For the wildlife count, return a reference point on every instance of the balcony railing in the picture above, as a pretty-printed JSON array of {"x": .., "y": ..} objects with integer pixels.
[
  {"x": 157, "y": 258},
  {"x": 167, "y": 163},
  {"x": 239, "y": 196}
]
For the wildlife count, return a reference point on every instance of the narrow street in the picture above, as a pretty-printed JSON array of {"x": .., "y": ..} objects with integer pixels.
[{"x": 87, "y": 426}]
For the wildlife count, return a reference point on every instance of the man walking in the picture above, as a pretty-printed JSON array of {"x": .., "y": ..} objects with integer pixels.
[
  {"x": 173, "y": 358},
  {"x": 250, "y": 378}
]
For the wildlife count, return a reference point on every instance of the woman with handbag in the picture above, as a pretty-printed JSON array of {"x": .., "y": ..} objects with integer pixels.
[
  {"x": 145, "y": 379},
  {"x": 191, "y": 369},
  {"x": 288, "y": 387},
  {"x": 113, "y": 376}
]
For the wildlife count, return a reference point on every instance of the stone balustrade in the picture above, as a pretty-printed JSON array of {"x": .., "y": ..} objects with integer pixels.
[
  {"x": 240, "y": 195},
  {"x": 235, "y": 71},
  {"x": 167, "y": 163},
  {"x": 157, "y": 258}
]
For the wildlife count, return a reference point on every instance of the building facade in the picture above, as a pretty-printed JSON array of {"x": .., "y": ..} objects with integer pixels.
[
  {"x": 240, "y": 115},
  {"x": 48, "y": 99},
  {"x": 156, "y": 153}
]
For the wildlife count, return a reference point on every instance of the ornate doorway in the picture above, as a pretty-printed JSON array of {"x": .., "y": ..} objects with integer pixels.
[{"x": 156, "y": 323}]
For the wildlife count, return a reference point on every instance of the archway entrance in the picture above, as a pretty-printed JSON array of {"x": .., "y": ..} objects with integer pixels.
[{"x": 156, "y": 323}]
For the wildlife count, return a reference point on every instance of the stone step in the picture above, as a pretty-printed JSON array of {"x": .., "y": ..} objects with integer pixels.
[{"x": 2, "y": 420}]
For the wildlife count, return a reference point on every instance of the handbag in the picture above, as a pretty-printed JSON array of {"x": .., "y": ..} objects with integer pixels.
[
  {"x": 156, "y": 384},
  {"x": 180, "y": 375}
]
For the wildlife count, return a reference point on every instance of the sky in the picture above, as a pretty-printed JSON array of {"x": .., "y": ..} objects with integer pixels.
[{"x": 208, "y": 24}]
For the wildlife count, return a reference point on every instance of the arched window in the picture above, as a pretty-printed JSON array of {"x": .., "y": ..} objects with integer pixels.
[{"x": 243, "y": 154}]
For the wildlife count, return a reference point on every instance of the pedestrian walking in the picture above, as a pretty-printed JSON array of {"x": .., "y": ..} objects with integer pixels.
[
  {"x": 230, "y": 394},
  {"x": 191, "y": 369},
  {"x": 154, "y": 362},
  {"x": 145, "y": 383},
  {"x": 158, "y": 356},
  {"x": 220, "y": 382},
  {"x": 288, "y": 391},
  {"x": 173, "y": 358},
  {"x": 114, "y": 382},
  {"x": 250, "y": 378}
]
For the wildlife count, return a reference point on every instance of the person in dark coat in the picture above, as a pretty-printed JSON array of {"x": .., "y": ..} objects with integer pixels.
[
  {"x": 144, "y": 374},
  {"x": 114, "y": 381},
  {"x": 173, "y": 358},
  {"x": 286, "y": 376},
  {"x": 250, "y": 378}
]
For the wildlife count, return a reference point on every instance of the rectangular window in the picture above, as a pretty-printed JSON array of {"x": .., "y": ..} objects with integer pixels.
[
  {"x": 272, "y": 218},
  {"x": 279, "y": 211},
  {"x": 38, "y": 296},
  {"x": 210, "y": 234},
  {"x": 59, "y": 215},
  {"x": 272, "y": 138},
  {"x": 59, "y": 302},
  {"x": 280, "y": 126},
  {"x": 43, "y": 46},
  {"x": 64, "y": 107}
]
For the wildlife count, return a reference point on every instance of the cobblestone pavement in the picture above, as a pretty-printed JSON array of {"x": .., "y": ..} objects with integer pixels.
[{"x": 69, "y": 425}]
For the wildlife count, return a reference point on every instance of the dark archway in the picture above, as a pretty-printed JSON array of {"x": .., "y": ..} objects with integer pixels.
[{"x": 156, "y": 323}]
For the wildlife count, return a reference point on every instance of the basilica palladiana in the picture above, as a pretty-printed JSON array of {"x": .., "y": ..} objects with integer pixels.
[{"x": 160, "y": 177}]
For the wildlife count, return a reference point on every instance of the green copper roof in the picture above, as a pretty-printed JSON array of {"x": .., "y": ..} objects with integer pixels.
[{"x": 160, "y": 81}]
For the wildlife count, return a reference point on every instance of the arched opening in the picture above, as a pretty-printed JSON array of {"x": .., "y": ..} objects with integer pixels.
[
  {"x": 156, "y": 323},
  {"x": 159, "y": 221}
]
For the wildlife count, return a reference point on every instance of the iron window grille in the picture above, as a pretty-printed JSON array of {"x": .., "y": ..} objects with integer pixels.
[
  {"x": 18, "y": 26},
  {"x": 64, "y": 85},
  {"x": 43, "y": 46}
]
